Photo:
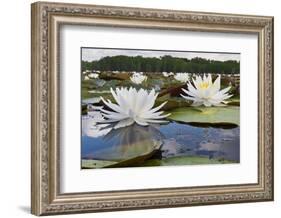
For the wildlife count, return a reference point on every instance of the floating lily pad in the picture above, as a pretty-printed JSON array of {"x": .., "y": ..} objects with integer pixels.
[
  {"x": 89, "y": 164},
  {"x": 136, "y": 161},
  {"x": 92, "y": 164},
  {"x": 124, "y": 152},
  {"x": 172, "y": 103},
  {"x": 212, "y": 115},
  {"x": 234, "y": 102},
  {"x": 91, "y": 100},
  {"x": 171, "y": 161},
  {"x": 127, "y": 146},
  {"x": 185, "y": 160}
]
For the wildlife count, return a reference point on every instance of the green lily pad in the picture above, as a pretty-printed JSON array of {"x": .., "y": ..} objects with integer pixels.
[
  {"x": 234, "y": 102},
  {"x": 205, "y": 115},
  {"x": 172, "y": 103},
  {"x": 171, "y": 161},
  {"x": 90, "y": 164},
  {"x": 136, "y": 161},
  {"x": 185, "y": 160},
  {"x": 129, "y": 146}
]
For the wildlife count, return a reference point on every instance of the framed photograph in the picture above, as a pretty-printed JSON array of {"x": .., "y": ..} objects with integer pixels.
[{"x": 137, "y": 108}]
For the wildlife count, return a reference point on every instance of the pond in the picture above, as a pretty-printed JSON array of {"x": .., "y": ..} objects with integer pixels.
[{"x": 170, "y": 144}]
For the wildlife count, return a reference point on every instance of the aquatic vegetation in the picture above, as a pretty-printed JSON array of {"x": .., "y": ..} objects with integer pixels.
[
  {"x": 133, "y": 106},
  {"x": 182, "y": 77},
  {"x": 138, "y": 78},
  {"x": 143, "y": 108},
  {"x": 229, "y": 115},
  {"x": 93, "y": 75},
  {"x": 180, "y": 144},
  {"x": 205, "y": 92},
  {"x": 128, "y": 143}
]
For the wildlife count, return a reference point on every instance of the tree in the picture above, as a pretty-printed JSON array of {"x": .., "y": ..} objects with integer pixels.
[{"x": 165, "y": 63}]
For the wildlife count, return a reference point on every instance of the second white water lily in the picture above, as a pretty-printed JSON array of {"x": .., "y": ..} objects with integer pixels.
[
  {"x": 133, "y": 106},
  {"x": 138, "y": 78},
  {"x": 93, "y": 75},
  {"x": 182, "y": 77},
  {"x": 205, "y": 92}
]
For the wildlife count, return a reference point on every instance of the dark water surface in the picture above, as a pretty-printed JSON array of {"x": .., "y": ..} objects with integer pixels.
[{"x": 171, "y": 140}]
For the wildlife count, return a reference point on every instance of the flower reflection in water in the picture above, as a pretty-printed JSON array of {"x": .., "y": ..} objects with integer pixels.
[
  {"x": 124, "y": 143},
  {"x": 134, "y": 145},
  {"x": 90, "y": 126}
]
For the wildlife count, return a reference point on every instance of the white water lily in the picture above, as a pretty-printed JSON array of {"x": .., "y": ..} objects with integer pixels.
[
  {"x": 182, "y": 77},
  {"x": 205, "y": 92},
  {"x": 133, "y": 106},
  {"x": 138, "y": 78},
  {"x": 86, "y": 78},
  {"x": 93, "y": 75},
  {"x": 165, "y": 74}
]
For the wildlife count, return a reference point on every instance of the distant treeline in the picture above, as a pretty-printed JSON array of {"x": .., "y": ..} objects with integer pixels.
[{"x": 163, "y": 64}]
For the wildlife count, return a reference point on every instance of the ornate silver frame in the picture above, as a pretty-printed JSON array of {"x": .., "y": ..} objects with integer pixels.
[{"x": 45, "y": 194}]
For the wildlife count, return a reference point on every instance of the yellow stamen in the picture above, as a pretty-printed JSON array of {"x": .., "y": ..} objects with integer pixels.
[{"x": 204, "y": 85}]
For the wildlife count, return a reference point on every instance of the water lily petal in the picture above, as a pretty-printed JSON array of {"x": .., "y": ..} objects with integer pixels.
[
  {"x": 192, "y": 89},
  {"x": 114, "y": 116},
  {"x": 207, "y": 103},
  {"x": 156, "y": 121},
  {"x": 149, "y": 101},
  {"x": 188, "y": 98},
  {"x": 142, "y": 95},
  {"x": 216, "y": 85},
  {"x": 225, "y": 90},
  {"x": 124, "y": 123},
  {"x": 158, "y": 107},
  {"x": 115, "y": 96},
  {"x": 189, "y": 93},
  {"x": 154, "y": 116},
  {"x": 209, "y": 79},
  {"x": 141, "y": 122}
]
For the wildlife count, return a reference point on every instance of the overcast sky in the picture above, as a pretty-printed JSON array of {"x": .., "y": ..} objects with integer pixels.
[{"x": 93, "y": 54}]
